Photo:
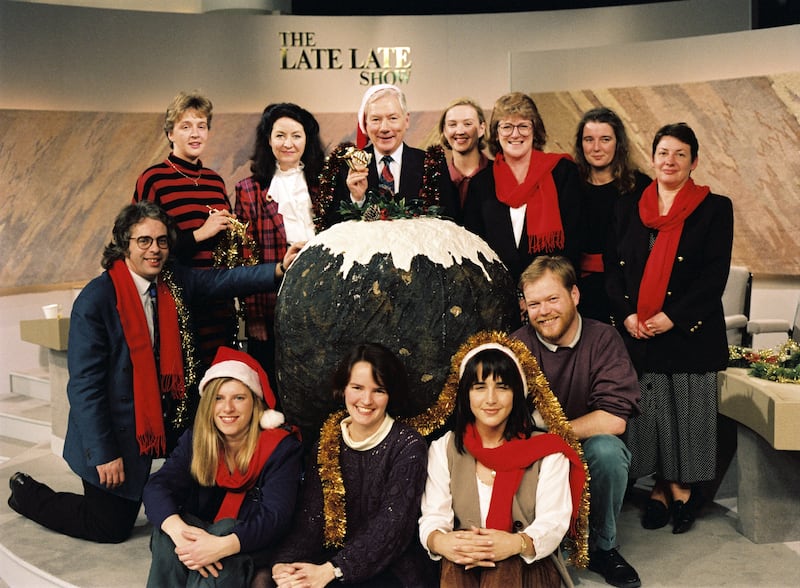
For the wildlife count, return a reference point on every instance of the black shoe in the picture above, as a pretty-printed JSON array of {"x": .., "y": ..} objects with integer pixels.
[
  {"x": 684, "y": 513},
  {"x": 614, "y": 569},
  {"x": 19, "y": 484},
  {"x": 656, "y": 515}
]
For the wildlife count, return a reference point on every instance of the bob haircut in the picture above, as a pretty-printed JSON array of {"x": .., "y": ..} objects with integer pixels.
[
  {"x": 621, "y": 168},
  {"x": 561, "y": 267},
  {"x": 130, "y": 216},
  {"x": 263, "y": 159},
  {"x": 492, "y": 362},
  {"x": 478, "y": 112},
  {"x": 207, "y": 440},
  {"x": 682, "y": 132},
  {"x": 184, "y": 101},
  {"x": 387, "y": 370},
  {"x": 523, "y": 106}
]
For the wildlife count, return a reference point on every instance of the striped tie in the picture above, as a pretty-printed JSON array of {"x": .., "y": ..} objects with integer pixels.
[
  {"x": 386, "y": 179},
  {"x": 154, "y": 306}
]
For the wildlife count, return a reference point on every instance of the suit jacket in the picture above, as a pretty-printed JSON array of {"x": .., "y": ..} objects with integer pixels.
[
  {"x": 490, "y": 219},
  {"x": 101, "y": 425},
  {"x": 697, "y": 342},
  {"x": 411, "y": 170}
]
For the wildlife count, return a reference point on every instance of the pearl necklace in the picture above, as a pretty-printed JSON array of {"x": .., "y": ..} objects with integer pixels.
[{"x": 191, "y": 179}]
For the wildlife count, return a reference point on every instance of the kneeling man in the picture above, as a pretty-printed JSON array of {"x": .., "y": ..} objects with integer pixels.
[{"x": 591, "y": 374}]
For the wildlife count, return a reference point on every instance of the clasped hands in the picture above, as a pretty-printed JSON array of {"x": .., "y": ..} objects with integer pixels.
[
  {"x": 198, "y": 549},
  {"x": 302, "y": 575},
  {"x": 657, "y": 324},
  {"x": 476, "y": 547}
]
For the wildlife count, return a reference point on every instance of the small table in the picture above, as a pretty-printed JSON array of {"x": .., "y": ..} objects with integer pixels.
[
  {"x": 768, "y": 452},
  {"x": 52, "y": 334}
]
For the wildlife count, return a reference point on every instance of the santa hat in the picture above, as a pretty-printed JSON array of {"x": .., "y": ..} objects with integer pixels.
[
  {"x": 230, "y": 363},
  {"x": 361, "y": 132}
]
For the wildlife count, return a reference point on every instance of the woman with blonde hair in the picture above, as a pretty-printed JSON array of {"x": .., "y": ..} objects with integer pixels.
[
  {"x": 229, "y": 487},
  {"x": 461, "y": 130}
]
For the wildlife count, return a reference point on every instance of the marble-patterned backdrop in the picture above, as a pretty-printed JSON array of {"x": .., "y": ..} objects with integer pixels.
[{"x": 65, "y": 175}]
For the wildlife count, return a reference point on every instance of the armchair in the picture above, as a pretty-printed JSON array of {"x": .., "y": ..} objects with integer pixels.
[{"x": 736, "y": 305}]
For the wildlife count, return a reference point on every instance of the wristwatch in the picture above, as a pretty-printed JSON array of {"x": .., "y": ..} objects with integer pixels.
[{"x": 337, "y": 573}]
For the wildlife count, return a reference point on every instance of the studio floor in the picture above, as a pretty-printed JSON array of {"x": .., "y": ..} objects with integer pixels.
[{"x": 713, "y": 553}]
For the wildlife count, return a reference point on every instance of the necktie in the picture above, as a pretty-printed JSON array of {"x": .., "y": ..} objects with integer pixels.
[
  {"x": 154, "y": 309},
  {"x": 386, "y": 179}
]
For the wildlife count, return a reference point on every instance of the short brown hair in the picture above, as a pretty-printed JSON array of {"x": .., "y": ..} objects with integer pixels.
[
  {"x": 516, "y": 104},
  {"x": 184, "y": 101},
  {"x": 558, "y": 264}
]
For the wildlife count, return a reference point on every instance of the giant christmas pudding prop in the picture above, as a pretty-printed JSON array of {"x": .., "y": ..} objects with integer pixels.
[{"x": 419, "y": 286}]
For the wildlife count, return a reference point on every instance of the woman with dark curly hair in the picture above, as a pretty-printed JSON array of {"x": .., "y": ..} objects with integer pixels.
[
  {"x": 603, "y": 158},
  {"x": 277, "y": 202}
]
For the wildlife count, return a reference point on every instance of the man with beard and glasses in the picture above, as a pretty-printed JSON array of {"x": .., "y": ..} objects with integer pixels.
[{"x": 591, "y": 374}]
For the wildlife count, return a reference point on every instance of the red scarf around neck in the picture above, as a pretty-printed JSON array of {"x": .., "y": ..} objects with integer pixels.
[
  {"x": 510, "y": 460},
  {"x": 538, "y": 191},
  {"x": 147, "y": 387},
  {"x": 237, "y": 483},
  {"x": 658, "y": 269}
]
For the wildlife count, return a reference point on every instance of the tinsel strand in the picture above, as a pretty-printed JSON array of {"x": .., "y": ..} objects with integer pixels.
[
  {"x": 190, "y": 363},
  {"x": 330, "y": 473}
]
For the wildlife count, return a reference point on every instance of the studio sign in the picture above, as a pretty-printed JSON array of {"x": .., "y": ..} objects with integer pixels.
[{"x": 379, "y": 65}]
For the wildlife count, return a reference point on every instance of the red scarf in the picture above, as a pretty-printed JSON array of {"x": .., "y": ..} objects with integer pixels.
[
  {"x": 538, "y": 191},
  {"x": 236, "y": 483},
  {"x": 658, "y": 269},
  {"x": 510, "y": 460},
  {"x": 146, "y": 385}
]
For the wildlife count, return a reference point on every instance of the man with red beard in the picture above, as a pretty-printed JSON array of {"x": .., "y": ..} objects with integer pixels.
[{"x": 591, "y": 374}]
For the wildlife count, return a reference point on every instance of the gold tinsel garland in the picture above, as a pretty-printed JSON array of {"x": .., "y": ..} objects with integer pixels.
[
  {"x": 330, "y": 474},
  {"x": 333, "y": 490},
  {"x": 236, "y": 248},
  {"x": 190, "y": 364}
]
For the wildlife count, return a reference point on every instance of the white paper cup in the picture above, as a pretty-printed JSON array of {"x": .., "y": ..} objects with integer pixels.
[{"x": 51, "y": 311}]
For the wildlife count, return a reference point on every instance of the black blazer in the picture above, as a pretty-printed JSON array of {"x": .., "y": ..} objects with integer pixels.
[
  {"x": 411, "y": 170},
  {"x": 490, "y": 219},
  {"x": 697, "y": 342}
]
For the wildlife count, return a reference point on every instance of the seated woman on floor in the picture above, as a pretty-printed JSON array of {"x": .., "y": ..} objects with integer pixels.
[
  {"x": 499, "y": 497},
  {"x": 230, "y": 486},
  {"x": 358, "y": 515}
]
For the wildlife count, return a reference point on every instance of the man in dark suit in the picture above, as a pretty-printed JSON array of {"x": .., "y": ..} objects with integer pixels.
[
  {"x": 132, "y": 386},
  {"x": 395, "y": 167}
]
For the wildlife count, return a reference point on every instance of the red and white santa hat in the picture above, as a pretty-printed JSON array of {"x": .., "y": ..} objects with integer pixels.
[
  {"x": 361, "y": 131},
  {"x": 230, "y": 363}
]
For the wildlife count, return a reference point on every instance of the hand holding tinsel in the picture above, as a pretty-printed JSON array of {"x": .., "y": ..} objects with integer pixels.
[{"x": 236, "y": 247}]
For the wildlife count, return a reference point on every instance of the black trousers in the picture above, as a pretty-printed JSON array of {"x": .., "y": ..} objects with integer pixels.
[{"x": 97, "y": 515}]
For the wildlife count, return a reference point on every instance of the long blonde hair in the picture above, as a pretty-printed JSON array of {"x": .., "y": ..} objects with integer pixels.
[{"x": 208, "y": 444}]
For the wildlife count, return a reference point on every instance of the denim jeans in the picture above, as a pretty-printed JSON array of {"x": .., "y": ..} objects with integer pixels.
[{"x": 609, "y": 461}]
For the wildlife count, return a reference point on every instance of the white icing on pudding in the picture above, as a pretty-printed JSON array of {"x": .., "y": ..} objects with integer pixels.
[{"x": 443, "y": 242}]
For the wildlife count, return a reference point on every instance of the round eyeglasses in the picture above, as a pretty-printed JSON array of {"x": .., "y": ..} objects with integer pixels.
[
  {"x": 507, "y": 129},
  {"x": 145, "y": 242}
]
